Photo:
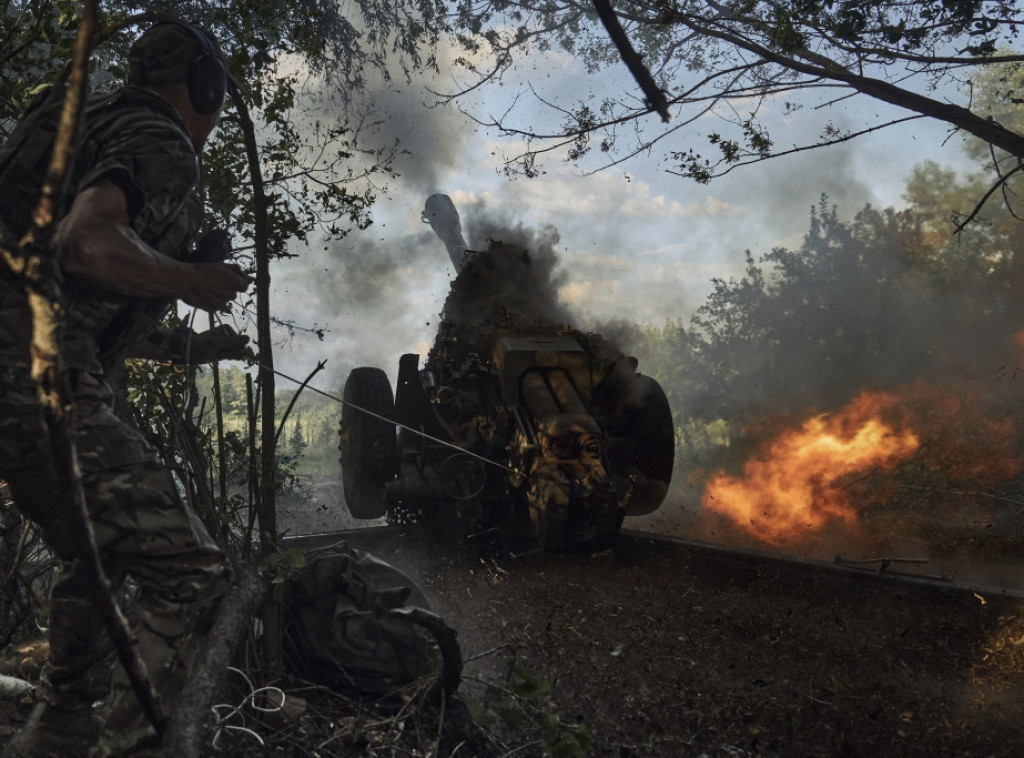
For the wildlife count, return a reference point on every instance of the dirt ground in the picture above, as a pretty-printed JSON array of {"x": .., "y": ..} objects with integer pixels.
[
  {"x": 675, "y": 652},
  {"x": 657, "y": 649}
]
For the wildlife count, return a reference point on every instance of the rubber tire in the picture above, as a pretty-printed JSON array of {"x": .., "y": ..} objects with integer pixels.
[
  {"x": 647, "y": 421},
  {"x": 369, "y": 452}
]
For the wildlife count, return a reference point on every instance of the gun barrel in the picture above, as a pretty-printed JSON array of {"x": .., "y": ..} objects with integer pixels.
[{"x": 439, "y": 211}]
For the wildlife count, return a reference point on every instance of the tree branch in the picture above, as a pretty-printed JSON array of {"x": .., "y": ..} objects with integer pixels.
[
  {"x": 187, "y": 725},
  {"x": 295, "y": 397},
  {"x": 805, "y": 148},
  {"x": 813, "y": 64},
  {"x": 267, "y": 472},
  {"x": 991, "y": 191},
  {"x": 655, "y": 97}
]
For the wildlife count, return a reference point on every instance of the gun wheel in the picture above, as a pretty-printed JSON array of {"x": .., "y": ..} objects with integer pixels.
[
  {"x": 369, "y": 456},
  {"x": 648, "y": 422}
]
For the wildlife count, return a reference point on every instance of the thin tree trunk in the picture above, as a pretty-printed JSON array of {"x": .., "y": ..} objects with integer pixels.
[
  {"x": 295, "y": 397},
  {"x": 253, "y": 477},
  {"x": 267, "y": 485},
  {"x": 218, "y": 406},
  {"x": 267, "y": 512}
]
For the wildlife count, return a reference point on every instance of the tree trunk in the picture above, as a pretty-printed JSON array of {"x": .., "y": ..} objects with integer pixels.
[
  {"x": 266, "y": 499},
  {"x": 187, "y": 729}
]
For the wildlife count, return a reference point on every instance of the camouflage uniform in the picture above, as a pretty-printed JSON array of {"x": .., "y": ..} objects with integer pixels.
[{"x": 143, "y": 529}]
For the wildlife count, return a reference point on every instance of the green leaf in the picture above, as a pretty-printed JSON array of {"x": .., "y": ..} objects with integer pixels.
[
  {"x": 528, "y": 686},
  {"x": 480, "y": 715}
]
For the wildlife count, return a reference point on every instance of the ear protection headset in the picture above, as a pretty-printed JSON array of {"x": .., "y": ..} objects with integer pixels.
[{"x": 207, "y": 77}]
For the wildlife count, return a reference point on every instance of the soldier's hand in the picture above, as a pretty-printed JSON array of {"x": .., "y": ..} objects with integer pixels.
[
  {"x": 214, "y": 285},
  {"x": 221, "y": 343},
  {"x": 212, "y": 247}
]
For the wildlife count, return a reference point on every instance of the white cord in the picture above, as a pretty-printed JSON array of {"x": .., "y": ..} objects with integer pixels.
[{"x": 225, "y": 711}]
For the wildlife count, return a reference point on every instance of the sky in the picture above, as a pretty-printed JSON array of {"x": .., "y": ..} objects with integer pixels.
[{"x": 635, "y": 242}]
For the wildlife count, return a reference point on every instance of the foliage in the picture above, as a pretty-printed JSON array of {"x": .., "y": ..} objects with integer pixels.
[
  {"x": 522, "y": 708},
  {"x": 297, "y": 440},
  {"x": 310, "y": 432},
  {"x": 870, "y": 302},
  {"x": 281, "y": 566},
  {"x": 33, "y": 35},
  {"x": 947, "y": 201},
  {"x": 997, "y": 92},
  {"x": 26, "y": 573},
  {"x": 164, "y": 405},
  {"x": 724, "y": 63},
  {"x": 944, "y": 200},
  {"x": 877, "y": 301}
]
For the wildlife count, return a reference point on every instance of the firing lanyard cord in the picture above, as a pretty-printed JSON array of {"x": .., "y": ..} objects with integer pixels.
[{"x": 513, "y": 471}]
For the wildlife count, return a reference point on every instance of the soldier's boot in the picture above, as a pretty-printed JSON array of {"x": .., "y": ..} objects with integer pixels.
[
  {"x": 75, "y": 677},
  {"x": 168, "y": 647},
  {"x": 51, "y": 732}
]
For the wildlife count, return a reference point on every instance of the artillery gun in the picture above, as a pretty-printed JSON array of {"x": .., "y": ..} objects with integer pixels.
[{"x": 514, "y": 425}]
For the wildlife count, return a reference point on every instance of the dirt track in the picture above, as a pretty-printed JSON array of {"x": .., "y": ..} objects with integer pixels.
[{"x": 671, "y": 652}]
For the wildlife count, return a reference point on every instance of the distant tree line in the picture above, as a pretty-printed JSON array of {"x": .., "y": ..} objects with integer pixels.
[
  {"x": 310, "y": 432},
  {"x": 880, "y": 300}
]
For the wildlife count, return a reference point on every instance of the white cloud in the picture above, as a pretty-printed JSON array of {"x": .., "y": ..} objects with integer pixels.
[
  {"x": 604, "y": 198},
  {"x": 590, "y": 292}
]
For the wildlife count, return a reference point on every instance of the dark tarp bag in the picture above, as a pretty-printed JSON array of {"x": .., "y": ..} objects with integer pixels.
[{"x": 353, "y": 621}]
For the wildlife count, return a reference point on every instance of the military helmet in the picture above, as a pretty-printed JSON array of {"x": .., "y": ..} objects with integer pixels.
[{"x": 174, "y": 51}]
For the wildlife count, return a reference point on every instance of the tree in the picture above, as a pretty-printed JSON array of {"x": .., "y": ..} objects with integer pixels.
[
  {"x": 867, "y": 303},
  {"x": 951, "y": 202},
  {"x": 728, "y": 60},
  {"x": 327, "y": 434},
  {"x": 297, "y": 440}
]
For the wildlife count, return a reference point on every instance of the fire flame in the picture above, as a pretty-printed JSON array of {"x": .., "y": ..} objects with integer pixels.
[{"x": 796, "y": 484}]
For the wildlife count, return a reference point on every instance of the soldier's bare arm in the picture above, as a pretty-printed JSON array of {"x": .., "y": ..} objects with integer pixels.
[{"x": 96, "y": 243}]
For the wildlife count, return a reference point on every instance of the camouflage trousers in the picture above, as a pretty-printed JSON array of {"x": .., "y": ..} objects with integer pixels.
[{"x": 142, "y": 529}]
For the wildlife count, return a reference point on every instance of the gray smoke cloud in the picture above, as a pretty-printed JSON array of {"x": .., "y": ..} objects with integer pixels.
[
  {"x": 381, "y": 297},
  {"x": 429, "y": 138},
  {"x": 378, "y": 291},
  {"x": 508, "y": 284},
  {"x": 368, "y": 294},
  {"x": 529, "y": 250}
]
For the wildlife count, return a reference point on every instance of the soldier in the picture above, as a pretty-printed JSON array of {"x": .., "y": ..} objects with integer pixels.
[{"x": 125, "y": 251}]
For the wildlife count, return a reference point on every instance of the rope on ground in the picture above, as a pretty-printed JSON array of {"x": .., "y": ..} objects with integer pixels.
[{"x": 225, "y": 712}]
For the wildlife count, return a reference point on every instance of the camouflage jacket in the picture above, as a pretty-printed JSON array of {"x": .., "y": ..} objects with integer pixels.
[{"x": 136, "y": 140}]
